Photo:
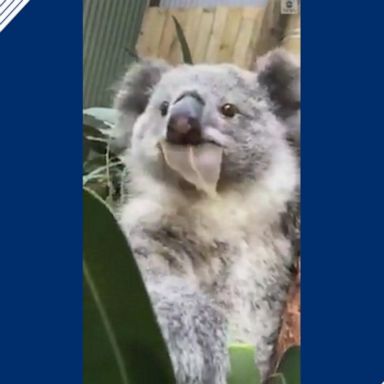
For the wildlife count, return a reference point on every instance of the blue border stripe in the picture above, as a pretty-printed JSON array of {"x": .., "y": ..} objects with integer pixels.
[
  {"x": 41, "y": 213},
  {"x": 342, "y": 193}
]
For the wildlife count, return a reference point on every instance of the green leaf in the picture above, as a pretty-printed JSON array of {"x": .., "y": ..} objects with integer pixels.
[
  {"x": 98, "y": 171},
  {"x": 86, "y": 149},
  {"x": 97, "y": 349},
  {"x": 97, "y": 128},
  {"x": 122, "y": 340},
  {"x": 187, "y": 57},
  {"x": 289, "y": 365},
  {"x": 102, "y": 118},
  {"x": 93, "y": 139},
  {"x": 99, "y": 187},
  {"x": 276, "y": 378},
  {"x": 243, "y": 367}
]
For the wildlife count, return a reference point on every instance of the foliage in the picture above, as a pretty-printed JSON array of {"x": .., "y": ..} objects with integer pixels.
[
  {"x": 122, "y": 340},
  {"x": 187, "y": 56},
  {"x": 102, "y": 170},
  {"x": 289, "y": 365},
  {"x": 243, "y": 368}
]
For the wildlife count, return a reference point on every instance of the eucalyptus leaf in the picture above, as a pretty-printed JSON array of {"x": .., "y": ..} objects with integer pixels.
[
  {"x": 94, "y": 161},
  {"x": 276, "y": 378},
  {"x": 99, "y": 366},
  {"x": 91, "y": 132},
  {"x": 99, "y": 187},
  {"x": 136, "y": 352},
  {"x": 100, "y": 171},
  {"x": 289, "y": 365},
  {"x": 187, "y": 56},
  {"x": 94, "y": 139},
  {"x": 243, "y": 366},
  {"x": 103, "y": 118},
  {"x": 86, "y": 149}
]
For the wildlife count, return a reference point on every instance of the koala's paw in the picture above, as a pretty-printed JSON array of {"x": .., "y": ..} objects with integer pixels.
[{"x": 195, "y": 332}]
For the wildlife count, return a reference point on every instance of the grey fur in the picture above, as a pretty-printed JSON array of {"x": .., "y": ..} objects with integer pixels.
[
  {"x": 131, "y": 99},
  {"x": 217, "y": 271},
  {"x": 280, "y": 74}
]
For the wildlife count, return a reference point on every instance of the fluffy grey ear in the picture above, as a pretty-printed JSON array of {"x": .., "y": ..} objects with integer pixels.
[
  {"x": 131, "y": 98},
  {"x": 279, "y": 73}
]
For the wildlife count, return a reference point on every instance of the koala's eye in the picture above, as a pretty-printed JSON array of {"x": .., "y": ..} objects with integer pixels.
[
  {"x": 164, "y": 108},
  {"x": 229, "y": 110}
]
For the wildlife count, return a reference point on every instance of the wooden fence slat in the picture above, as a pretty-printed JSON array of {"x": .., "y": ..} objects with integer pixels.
[
  {"x": 291, "y": 40},
  {"x": 219, "y": 21},
  {"x": 205, "y": 28},
  {"x": 270, "y": 31},
  {"x": 257, "y": 14},
  {"x": 167, "y": 37},
  {"x": 156, "y": 32},
  {"x": 243, "y": 39},
  {"x": 143, "y": 46},
  {"x": 229, "y": 37},
  {"x": 192, "y": 26}
]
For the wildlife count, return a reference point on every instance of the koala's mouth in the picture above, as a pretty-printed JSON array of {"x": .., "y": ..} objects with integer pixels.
[{"x": 200, "y": 165}]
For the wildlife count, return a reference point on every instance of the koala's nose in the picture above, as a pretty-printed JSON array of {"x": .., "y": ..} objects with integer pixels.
[{"x": 184, "y": 124}]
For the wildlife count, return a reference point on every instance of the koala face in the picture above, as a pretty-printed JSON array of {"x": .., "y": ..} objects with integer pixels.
[{"x": 245, "y": 113}]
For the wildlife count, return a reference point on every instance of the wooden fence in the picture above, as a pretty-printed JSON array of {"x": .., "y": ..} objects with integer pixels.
[{"x": 220, "y": 34}]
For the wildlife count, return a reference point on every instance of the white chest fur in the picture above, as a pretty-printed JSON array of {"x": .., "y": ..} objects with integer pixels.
[
  {"x": 243, "y": 265},
  {"x": 242, "y": 260}
]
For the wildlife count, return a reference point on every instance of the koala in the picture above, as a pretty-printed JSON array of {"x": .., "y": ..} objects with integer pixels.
[{"x": 217, "y": 266}]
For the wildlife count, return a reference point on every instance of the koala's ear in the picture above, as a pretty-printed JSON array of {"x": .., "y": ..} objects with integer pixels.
[
  {"x": 279, "y": 73},
  {"x": 132, "y": 96},
  {"x": 135, "y": 88}
]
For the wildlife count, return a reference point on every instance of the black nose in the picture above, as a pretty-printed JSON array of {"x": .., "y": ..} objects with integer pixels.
[
  {"x": 184, "y": 130},
  {"x": 184, "y": 124}
]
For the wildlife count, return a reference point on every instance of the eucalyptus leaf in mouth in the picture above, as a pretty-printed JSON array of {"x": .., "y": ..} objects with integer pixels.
[{"x": 200, "y": 164}]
